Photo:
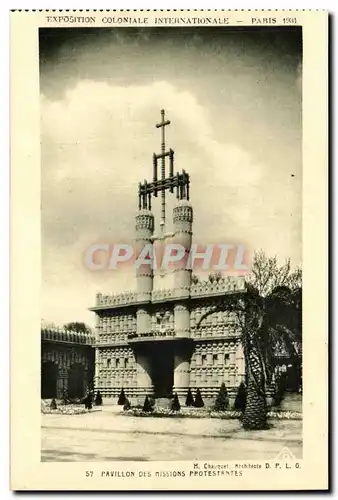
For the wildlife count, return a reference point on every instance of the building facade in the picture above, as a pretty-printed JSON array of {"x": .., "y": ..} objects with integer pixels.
[
  {"x": 67, "y": 363},
  {"x": 163, "y": 345}
]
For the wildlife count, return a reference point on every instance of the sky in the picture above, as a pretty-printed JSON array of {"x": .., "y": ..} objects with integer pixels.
[{"x": 233, "y": 97}]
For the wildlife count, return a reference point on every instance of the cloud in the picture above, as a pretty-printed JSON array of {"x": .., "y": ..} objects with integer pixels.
[{"x": 98, "y": 142}]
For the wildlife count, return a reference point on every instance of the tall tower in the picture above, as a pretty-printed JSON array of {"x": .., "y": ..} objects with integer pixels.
[
  {"x": 144, "y": 283},
  {"x": 162, "y": 183},
  {"x": 143, "y": 250},
  {"x": 182, "y": 218}
]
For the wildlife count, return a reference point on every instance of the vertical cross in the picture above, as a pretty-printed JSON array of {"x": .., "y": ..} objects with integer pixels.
[{"x": 162, "y": 125}]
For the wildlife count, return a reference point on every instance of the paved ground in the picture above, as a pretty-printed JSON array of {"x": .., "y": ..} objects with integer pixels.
[{"x": 105, "y": 435}]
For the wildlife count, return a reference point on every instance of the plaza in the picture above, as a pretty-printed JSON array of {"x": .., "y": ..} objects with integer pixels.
[{"x": 105, "y": 434}]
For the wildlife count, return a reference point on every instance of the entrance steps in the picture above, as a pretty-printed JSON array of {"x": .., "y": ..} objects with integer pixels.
[{"x": 162, "y": 403}]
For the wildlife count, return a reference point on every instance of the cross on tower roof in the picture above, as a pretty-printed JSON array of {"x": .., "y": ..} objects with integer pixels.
[
  {"x": 162, "y": 125},
  {"x": 179, "y": 181}
]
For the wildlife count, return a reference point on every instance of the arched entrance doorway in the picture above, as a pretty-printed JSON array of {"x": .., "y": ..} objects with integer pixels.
[
  {"x": 76, "y": 377},
  {"x": 49, "y": 374},
  {"x": 162, "y": 370}
]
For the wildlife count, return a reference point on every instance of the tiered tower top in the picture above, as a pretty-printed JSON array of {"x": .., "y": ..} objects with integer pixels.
[{"x": 162, "y": 183}]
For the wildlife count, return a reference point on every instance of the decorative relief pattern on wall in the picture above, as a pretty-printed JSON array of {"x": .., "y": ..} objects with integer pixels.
[
  {"x": 183, "y": 212},
  {"x": 115, "y": 367},
  {"x": 162, "y": 294},
  {"x": 163, "y": 321},
  {"x": 128, "y": 297},
  {"x": 217, "y": 362},
  {"x": 145, "y": 220},
  {"x": 162, "y": 325},
  {"x": 216, "y": 324},
  {"x": 224, "y": 284},
  {"x": 64, "y": 359},
  {"x": 115, "y": 327},
  {"x": 61, "y": 335},
  {"x": 201, "y": 288}
]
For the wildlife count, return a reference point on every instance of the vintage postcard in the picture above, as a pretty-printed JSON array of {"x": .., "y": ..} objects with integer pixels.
[{"x": 169, "y": 244}]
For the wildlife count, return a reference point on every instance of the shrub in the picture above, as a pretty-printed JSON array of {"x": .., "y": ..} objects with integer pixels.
[
  {"x": 240, "y": 400},
  {"x": 147, "y": 406},
  {"x": 88, "y": 402},
  {"x": 190, "y": 399},
  {"x": 127, "y": 405},
  {"x": 122, "y": 398},
  {"x": 280, "y": 390},
  {"x": 199, "y": 403},
  {"x": 222, "y": 400},
  {"x": 98, "y": 399},
  {"x": 175, "y": 404},
  {"x": 53, "y": 404}
]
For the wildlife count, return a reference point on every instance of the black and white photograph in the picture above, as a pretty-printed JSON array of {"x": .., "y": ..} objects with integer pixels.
[
  {"x": 169, "y": 228},
  {"x": 171, "y": 242}
]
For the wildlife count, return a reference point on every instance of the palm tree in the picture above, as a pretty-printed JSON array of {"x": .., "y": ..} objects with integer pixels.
[
  {"x": 268, "y": 320},
  {"x": 255, "y": 413},
  {"x": 263, "y": 321}
]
